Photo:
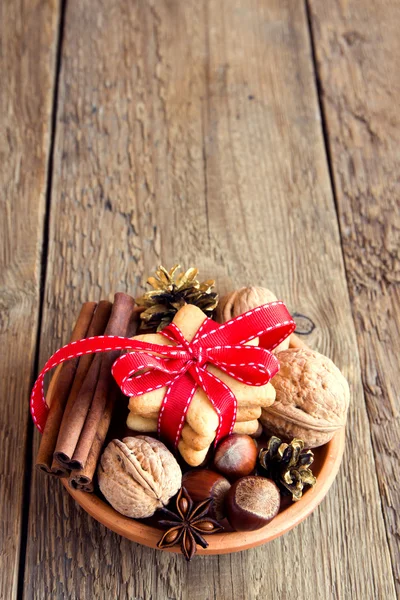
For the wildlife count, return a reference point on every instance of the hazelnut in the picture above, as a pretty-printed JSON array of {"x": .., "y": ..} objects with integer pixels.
[
  {"x": 138, "y": 475},
  {"x": 251, "y": 503},
  {"x": 236, "y": 456},
  {"x": 312, "y": 398},
  {"x": 203, "y": 484}
]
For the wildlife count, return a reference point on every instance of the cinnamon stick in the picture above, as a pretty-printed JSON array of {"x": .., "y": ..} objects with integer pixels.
[
  {"x": 82, "y": 479},
  {"x": 60, "y": 395},
  {"x": 118, "y": 325},
  {"x": 58, "y": 469},
  {"x": 78, "y": 415},
  {"x": 67, "y": 439}
]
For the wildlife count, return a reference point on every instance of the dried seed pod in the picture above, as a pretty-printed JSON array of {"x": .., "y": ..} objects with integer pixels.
[
  {"x": 183, "y": 506},
  {"x": 172, "y": 535},
  {"x": 206, "y": 526},
  {"x": 188, "y": 524}
]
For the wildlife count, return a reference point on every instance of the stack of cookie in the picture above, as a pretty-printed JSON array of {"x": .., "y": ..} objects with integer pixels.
[{"x": 201, "y": 420}]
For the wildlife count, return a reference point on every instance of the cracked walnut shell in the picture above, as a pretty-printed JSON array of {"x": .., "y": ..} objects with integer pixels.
[
  {"x": 312, "y": 398},
  {"x": 138, "y": 476},
  {"x": 240, "y": 301}
]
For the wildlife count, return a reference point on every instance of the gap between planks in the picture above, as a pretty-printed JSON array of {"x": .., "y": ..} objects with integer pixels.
[
  {"x": 329, "y": 160},
  {"x": 29, "y": 462}
]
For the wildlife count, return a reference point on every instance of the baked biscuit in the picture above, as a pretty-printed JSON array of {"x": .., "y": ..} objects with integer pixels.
[{"x": 201, "y": 418}]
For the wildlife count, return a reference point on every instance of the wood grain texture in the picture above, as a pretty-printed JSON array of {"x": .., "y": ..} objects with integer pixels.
[
  {"x": 358, "y": 50},
  {"x": 28, "y": 36},
  {"x": 190, "y": 131}
]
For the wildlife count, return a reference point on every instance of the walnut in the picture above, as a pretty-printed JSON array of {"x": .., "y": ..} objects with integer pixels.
[
  {"x": 240, "y": 301},
  {"x": 138, "y": 475},
  {"x": 312, "y": 398}
]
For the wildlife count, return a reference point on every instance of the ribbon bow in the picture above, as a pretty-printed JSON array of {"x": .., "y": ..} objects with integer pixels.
[{"x": 182, "y": 367}]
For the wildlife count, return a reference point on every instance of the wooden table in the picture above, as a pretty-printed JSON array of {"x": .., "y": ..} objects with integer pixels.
[{"x": 258, "y": 140}]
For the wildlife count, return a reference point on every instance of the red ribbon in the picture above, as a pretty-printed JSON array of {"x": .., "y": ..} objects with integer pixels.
[{"x": 182, "y": 367}]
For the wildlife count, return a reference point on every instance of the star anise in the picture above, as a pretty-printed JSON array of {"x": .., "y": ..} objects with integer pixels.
[{"x": 188, "y": 526}]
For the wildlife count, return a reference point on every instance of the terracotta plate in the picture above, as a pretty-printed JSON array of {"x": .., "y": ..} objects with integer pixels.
[{"x": 326, "y": 466}]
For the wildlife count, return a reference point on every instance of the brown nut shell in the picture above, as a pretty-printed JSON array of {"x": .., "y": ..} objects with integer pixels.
[
  {"x": 252, "y": 502},
  {"x": 312, "y": 398},
  {"x": 236, "y": 456},
  {"x": 240, "y": 301},
  {"x": 138, "y": 475},
  {"x": 204, "y": 483}
]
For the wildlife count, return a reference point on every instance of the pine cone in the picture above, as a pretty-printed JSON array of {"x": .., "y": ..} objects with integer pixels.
[
  {"x": 288, "y": 465},
  {"x": 170, "y": 293}
]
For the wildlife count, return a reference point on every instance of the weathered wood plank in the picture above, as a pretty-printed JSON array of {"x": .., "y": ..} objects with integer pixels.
[
  {"x": 190, "y": 131},
  {"x": 358, "y": 51},
  {"x": 28, "y": 38}
]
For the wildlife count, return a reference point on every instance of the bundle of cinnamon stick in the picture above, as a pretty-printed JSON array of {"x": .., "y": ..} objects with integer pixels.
[{"x": 84, "y": 395}]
